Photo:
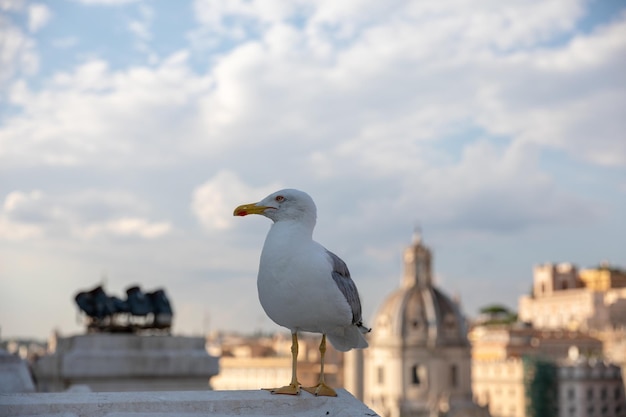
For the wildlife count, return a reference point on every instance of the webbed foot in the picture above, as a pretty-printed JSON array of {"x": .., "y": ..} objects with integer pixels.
[
  {"x": 321, "y": 390},
  {"x": 291, "y": 389}
]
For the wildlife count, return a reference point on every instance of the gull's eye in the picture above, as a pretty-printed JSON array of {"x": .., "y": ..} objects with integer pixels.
[{"x": 279, "y": 198}]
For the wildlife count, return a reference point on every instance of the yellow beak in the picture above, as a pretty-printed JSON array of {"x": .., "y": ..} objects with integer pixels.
[{"x": 251, "y": 208}]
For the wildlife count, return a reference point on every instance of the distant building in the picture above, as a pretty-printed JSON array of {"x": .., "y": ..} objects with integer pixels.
[
  {"x": 555, "y": 363},
  {"x": 14, "y": 374},
  {"x": 534, "y": 387},
  {"x": 603, "y": 278},
  {"x": 265, "y": 362},
  {"x": 499, "y": 342},
  {"x": 563, "y": 297},
  {"x": 499, "y": 385},
  {"x": 27, "y": 349},
  {"x": 419, "y": 361},
  {"x": 591, "y": 388},
  {"x": 590, "y": 300},
  {"x": 517, "y": 370}
]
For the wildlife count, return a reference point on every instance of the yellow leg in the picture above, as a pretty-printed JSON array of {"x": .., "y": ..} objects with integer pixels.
[
  {"x": 321, "y": 388},
  {"x": 294, "y": 386}
]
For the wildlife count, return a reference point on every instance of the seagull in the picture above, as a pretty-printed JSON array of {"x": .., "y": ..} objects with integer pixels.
[{"x": 303, "y": 286}]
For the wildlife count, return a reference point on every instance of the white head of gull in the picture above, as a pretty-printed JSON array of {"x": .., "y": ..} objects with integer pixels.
[{"x": 302, "y": 285}]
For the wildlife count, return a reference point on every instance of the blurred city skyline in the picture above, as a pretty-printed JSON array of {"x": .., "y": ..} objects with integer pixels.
[{"x": 130, "y": 130}]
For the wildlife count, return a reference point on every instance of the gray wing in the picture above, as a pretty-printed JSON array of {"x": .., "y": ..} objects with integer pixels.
[{"x": 346, "y": 285}]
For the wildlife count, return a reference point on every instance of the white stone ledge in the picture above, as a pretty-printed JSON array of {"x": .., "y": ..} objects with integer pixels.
[{"x": 182, "y": 403}]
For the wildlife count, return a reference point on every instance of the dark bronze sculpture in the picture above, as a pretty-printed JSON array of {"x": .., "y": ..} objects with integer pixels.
[{"x": 140, "y": 311}]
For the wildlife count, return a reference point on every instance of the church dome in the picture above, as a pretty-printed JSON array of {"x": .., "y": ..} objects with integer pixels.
[
  {"x": 419, "y": 359},
  {"x": 418, "y": 313}
]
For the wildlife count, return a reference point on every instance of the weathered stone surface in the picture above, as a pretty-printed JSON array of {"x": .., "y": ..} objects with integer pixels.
[
  {"x": 182, "y": 403},
  {"x": 14, "y": 374}
]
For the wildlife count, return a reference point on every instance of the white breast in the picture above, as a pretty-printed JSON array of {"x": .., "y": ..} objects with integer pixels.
[{"x": 295, "y": 284}]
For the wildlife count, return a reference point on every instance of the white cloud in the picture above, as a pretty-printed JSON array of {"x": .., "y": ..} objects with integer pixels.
[
  {"x": 404, "y": 79},
  {"x": 127, "y": 227},
  {"x": 214, "y": 201},
  {"x": 38, "y": 16},
  {"x": 96, "y": 116},
  {"x": 65, "y": 42},
  {"x": 15, "y": 200},
  {"x": 86, "y": 215},
  {"x": 12, "y": 5},
  {"x": 566, "y": 97},
  {"x": 18, "y": 55},
  {"x": 392, "y": 81},
  {"x": 497, "y": 192},
  {"x": 214, "y": 13},
  {"x": 518, "y": 23},
  {"x": 493, "y": 189},
  {"x": 585, "y": 51},
  {"x": 106, "y": 2},
  {"x": 141, "y": 28},
  {"x": 18, "y": 230}
]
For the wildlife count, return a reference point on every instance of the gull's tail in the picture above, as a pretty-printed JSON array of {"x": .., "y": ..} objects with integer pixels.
[
  {"x": 349, "y": 338},
  {"x": 362, "y": 327}
]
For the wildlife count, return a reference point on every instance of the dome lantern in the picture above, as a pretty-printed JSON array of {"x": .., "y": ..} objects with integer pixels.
[{"x": 417, "y": 264}]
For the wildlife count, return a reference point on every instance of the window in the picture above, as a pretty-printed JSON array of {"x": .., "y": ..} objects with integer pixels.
[
  {"x": 381, "y": 375},
  {"x": 454, "y": 376},
  {"x": 571, "y": 394},
  {"x": 603, "y": 393},
  {"x": 415, "y": 374},
  {"x": 450, "y": 322},
  {"x": 590, "y": 393}
]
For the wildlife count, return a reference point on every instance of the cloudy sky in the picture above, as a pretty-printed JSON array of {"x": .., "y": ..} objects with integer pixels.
[{"x": 129, "y": 131}]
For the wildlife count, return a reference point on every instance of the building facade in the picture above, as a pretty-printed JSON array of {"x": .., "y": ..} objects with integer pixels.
[
  {"x": 499, "y": 342},
  {"x": 590, "y": 300},
  {"x": 499, "y": 385},
  {"x": 590, "y": 388},
  {"x": 557, "y": 360},
  {"x": 565, "y": 298},
  {"x": 516, "y": 387},
  {"x": 251, "y": 363},
  {"x": 519, "y": 371}
]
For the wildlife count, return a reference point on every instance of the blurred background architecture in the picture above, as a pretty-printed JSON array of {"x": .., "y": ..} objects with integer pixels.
[
  {"x": 265, "y": 361},
  {"x": 419, "y": 359},
  {"x": 563, "y": 355}
]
